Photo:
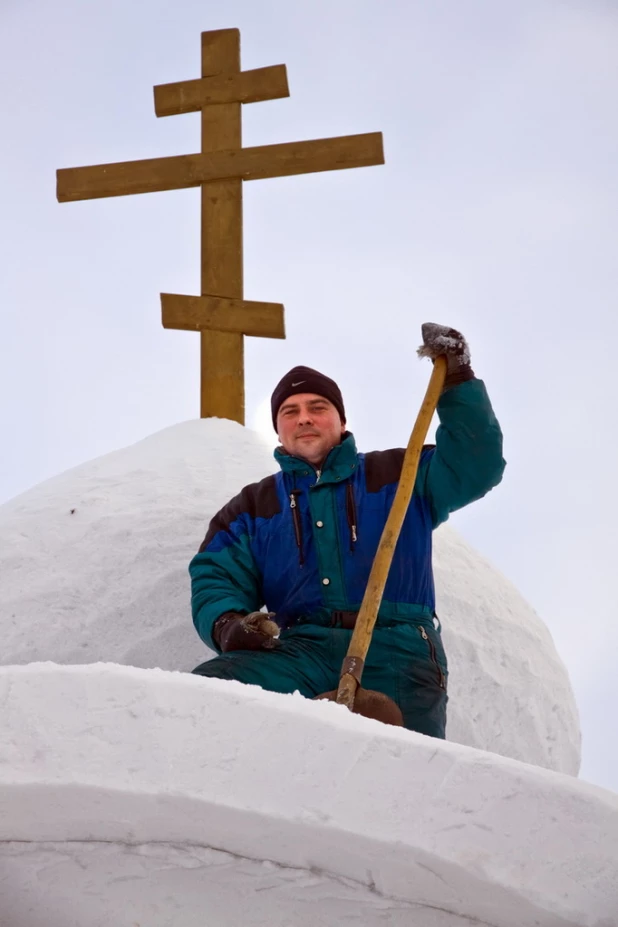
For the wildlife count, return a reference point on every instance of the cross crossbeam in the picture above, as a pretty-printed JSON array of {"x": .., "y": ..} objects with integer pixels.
[
  {"x": 221, "y": 314},
  {"x": 189, "y": 96},
  {"x": 211, "y": 313},
  {"x": 154, "y": 175}
]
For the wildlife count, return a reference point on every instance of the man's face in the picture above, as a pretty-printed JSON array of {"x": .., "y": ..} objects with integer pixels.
[{"x": 308, "y": 426}]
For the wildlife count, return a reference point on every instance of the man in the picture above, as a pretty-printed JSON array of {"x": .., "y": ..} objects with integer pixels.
[{"x": 302, "y": 543}]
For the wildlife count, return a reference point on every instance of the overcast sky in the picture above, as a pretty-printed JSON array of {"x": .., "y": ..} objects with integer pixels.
[{"x": 496, "y": 212}]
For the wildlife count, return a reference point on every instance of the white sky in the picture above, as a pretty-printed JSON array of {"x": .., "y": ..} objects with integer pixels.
[{"x": 496, "y": 212}]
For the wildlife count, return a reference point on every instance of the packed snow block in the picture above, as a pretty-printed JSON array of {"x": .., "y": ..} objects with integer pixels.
[
  {"x": 94, "y": 567},
  {"x": 131, "y": 796}
]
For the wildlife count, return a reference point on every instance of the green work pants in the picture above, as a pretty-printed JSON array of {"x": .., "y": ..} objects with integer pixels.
[{"x": 405, "y": 662}]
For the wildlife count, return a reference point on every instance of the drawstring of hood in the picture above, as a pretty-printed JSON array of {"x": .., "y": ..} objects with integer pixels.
[{"x": 351, "y": 517}]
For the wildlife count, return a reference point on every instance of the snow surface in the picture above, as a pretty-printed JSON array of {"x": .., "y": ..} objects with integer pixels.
[
  {"x": 142, "y": 797},
  {"x": 93, "y": 567}
]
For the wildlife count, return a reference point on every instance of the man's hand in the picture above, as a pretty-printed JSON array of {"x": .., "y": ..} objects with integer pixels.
[
  {"x": 440, "y": 339},
  {"x": 255, "y": 631}
]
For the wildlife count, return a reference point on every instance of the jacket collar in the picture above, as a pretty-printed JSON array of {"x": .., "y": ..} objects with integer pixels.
[{"x": 341, "y": 462}]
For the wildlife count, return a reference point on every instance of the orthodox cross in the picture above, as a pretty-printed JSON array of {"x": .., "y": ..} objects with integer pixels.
[{"x": 221, "y": 314}]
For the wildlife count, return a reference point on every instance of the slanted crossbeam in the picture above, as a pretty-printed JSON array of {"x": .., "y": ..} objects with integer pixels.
[{"x": 220, "y": 314}]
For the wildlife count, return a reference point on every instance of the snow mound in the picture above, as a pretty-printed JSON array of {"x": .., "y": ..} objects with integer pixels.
[
  {"x": 94, "y": 568},
  {"x": 132, "y": 796}
]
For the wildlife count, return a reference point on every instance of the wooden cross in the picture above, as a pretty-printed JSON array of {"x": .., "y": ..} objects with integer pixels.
[{"x": 220, "y": 314}]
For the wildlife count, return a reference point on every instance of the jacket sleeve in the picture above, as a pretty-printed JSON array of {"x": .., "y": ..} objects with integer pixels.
[
  {"x": 224, "y": 575},
  {"x": 467, "y": 461}
]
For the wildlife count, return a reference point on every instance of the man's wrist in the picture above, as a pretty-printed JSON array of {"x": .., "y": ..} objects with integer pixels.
[
  {"x": 221, "y": 623},
  {"x": 458, "y": 375}
]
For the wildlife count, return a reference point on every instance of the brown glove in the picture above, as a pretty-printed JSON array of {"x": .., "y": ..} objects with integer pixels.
[
  {"x": 255, "y": 631},
  {"x": 440, "y": 339}
]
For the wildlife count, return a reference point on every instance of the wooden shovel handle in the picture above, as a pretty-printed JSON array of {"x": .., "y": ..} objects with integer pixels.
[{"x": 352, "y": 668}]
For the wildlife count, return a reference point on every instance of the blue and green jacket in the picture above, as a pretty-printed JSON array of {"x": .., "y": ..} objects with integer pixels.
[{"x": 302, "y": 541}]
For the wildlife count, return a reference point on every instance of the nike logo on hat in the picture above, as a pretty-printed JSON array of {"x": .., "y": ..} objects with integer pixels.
[{"x": 298, "y": 384}]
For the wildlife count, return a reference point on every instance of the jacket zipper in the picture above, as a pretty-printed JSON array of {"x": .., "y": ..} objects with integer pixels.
[
  {"x": 432, "y": 654},
  {"x": 350, "y": 507},
  {"x": 298, "y": 531}
]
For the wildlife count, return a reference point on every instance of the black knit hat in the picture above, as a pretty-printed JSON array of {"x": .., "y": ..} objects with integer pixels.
[{"x": 306, "y": 380}]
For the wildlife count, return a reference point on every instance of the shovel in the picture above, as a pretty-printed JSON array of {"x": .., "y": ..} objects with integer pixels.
[{"x": 366, "y": 701}]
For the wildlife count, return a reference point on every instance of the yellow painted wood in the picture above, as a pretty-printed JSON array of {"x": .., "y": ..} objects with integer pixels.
[
  {"x": 219, "y": 169},
  {"x": 222, "y": 361},
  {"x": 190, "y": 96},
  {"x": 368, "y": 612},
  {"x": 212, "y": 313},
  {"x": 156, "y": 174}
]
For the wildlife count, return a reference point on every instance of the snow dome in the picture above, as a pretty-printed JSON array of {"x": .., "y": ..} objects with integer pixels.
[{"x": 94, "y": 568}]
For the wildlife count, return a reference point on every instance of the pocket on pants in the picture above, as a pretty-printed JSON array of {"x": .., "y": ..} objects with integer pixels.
[{"x": 432, "y": 651}]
